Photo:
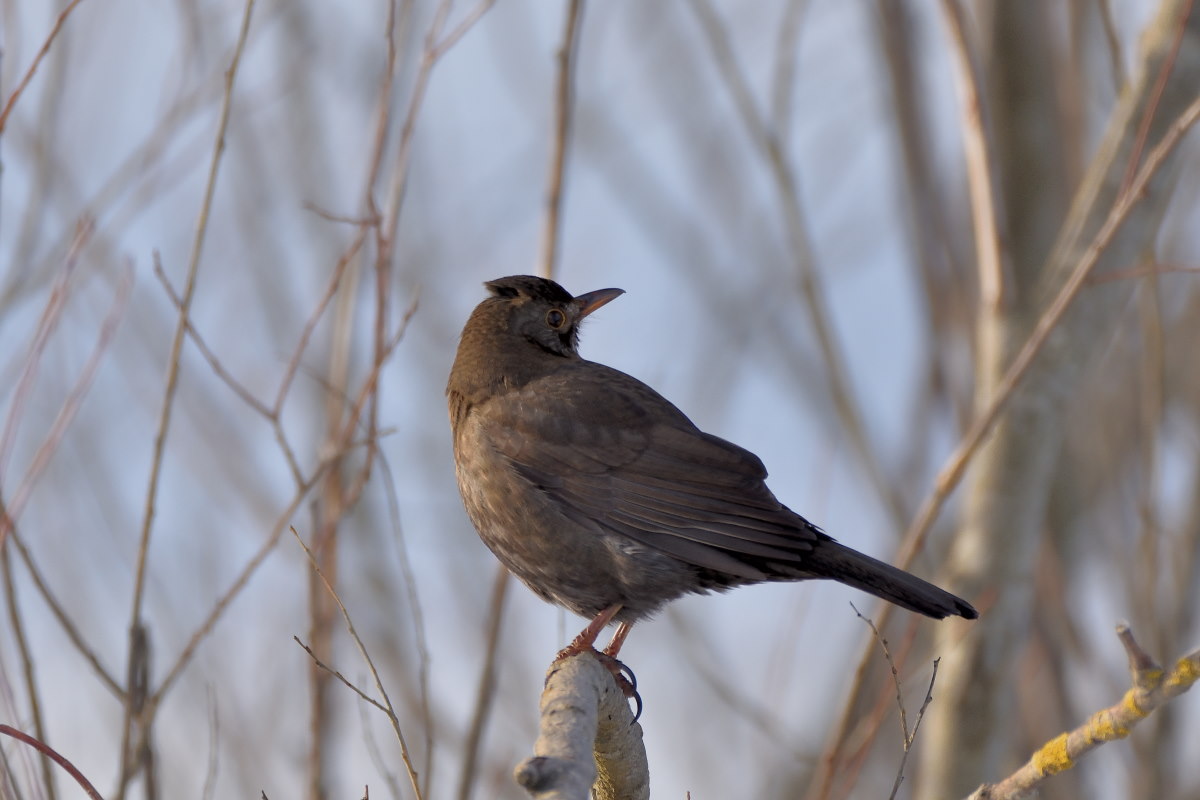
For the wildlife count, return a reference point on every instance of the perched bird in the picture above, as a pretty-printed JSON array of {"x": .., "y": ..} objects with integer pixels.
[{"x": 602, "y": 496}]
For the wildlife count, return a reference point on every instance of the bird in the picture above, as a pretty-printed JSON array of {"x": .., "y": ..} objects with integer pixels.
[{"x": 603, "y": 497}]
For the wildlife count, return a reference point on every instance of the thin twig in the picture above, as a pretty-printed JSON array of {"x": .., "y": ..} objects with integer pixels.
[
  {"x": 485, "y": 696},
  {"x": 1116, "y": 57},
  {"x": 239, "y": 583},
  {"x": 205, "y": 351},
  {"x": 887, "y": 654},
  {"x": 1153, "y": 270},
  {"x": 37, "y": 60},
  {"x": 70, "y": 407},
  {"x": 214, "y": 748},
  {"x": 28, "y": 672},
  {"x": 329, "y": 216},
  {"x": 783, "y": 75},
  {"x": 1152, "y": 393},
  {"x": 568, "y": 56},
  {"x": 868, "y": 726},
  {"x": 371, "y": 381},
  {"x": 1156, "y": 92},
  {"x": 372, "y": 745},
  {"x": 947, "y": 296},
  {"x": 461, "y": 28},
  {"x": 64, "y": 619},
  {"x": 47, "y": 324},
  {"x": 433, "y": 51},
  {"x": 409, "y": 577},
  {"x": 908, "y": 740},
  {"x": 349, "y": 685},
  {"x": 383, "y": 114}
]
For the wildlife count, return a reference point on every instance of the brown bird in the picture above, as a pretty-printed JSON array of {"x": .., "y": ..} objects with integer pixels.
[{"x": 602, "y": 496}]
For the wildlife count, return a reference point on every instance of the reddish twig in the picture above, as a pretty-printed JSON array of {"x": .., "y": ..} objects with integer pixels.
[{"x": 59, "y": 759}]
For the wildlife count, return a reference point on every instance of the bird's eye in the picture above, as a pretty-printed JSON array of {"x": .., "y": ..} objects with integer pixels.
[{"x": 555, "y": 318}]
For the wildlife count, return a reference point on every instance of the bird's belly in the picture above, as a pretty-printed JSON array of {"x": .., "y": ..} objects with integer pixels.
[{"x": 566, "y": 559}]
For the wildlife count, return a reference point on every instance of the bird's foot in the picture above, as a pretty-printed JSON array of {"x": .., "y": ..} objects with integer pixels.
[{"x": 623, "y": 675}]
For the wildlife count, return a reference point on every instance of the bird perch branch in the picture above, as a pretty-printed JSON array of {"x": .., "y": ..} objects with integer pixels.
[
  {"x": 588, "y": 739},
  {"x": 1152, "y": 687}
]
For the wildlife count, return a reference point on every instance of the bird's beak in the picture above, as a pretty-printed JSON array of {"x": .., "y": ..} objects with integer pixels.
[{"x": 590, "y": 301}]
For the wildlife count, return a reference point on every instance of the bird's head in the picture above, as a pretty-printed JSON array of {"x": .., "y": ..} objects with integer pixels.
[
  {"x": 522, "y": 331},
  {"x": 540, "y": 312}
]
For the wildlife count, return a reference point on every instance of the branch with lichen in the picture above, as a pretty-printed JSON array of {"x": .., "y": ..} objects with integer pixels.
[
  {"x": 589, "y": 744},
  {"x": 1152, "y": 687}
]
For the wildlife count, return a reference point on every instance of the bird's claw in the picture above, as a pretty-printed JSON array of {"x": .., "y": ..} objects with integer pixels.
[
  {"x": 626, "y": 681},
  {"x": 627, "y": 674},
  {"x": 622, "y": 674}
]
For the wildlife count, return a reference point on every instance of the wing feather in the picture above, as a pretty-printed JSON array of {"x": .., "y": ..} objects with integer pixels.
[{"x": 619, "y": 457}]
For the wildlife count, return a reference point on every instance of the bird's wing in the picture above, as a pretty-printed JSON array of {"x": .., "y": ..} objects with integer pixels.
[{"x": 617, "y": 455}]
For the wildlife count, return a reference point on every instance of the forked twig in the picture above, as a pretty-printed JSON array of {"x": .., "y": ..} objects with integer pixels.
[
  {"x": 908, "y": 737},
  {"x": 386, "y": 706},
  {"x": 349, "y": 685},
  {"x": 908, "y": 742}
]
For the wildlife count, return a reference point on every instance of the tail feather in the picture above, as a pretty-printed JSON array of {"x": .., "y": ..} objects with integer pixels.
[{"x": 832, "y": 560}]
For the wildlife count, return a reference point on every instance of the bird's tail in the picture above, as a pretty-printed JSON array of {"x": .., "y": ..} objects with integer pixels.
[{"x": 836, "y": 561}]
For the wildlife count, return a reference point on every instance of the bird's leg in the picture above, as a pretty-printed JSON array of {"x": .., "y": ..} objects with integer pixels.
[
  {"x": 586, "y": 642},
  {"x": 625, "y": 677},
  {"x": 618, "y": 639}
]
